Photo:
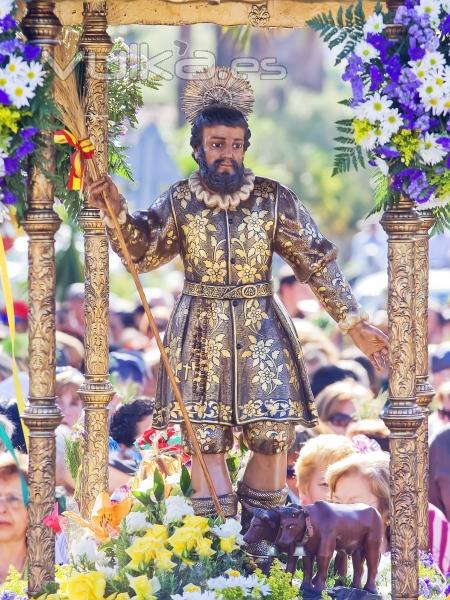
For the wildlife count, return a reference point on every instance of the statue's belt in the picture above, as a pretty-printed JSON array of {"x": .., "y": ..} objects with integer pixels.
[{"x": 228, "y": 292}]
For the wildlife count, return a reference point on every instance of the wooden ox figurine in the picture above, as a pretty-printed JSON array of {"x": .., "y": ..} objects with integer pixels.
[{"x": 317, "y": 530}]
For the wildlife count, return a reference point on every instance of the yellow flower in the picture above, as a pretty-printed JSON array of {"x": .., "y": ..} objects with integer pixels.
[
  {"x": 118, "y": 596},
  {"x": 362, "y": 129},
  {"x": 232, "y": 573},
  {"x": 9, "y": 118},
  {"x": 184, "y": 538},
  {"x": 190, "y": 587},
  {"x": 204, "y": 548},
  {"x": 143, "y": 551},
  {"x": 159, "y": 532},
  {"x": 162, "y": 560},
  {"x": 89, "y": 586},
  {"x": 228, "y": 544},
  {"x": 144, "y": 587},
  {"x": 196, "y": 522}
]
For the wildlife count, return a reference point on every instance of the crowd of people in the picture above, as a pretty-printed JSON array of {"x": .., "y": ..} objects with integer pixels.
[{"x": 345, "y": 459}]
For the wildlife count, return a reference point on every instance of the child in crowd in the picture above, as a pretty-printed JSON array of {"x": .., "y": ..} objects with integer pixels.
[{"x": 314, "y": 458}]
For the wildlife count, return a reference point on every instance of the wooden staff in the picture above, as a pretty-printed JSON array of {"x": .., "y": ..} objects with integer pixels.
[
  {"x": 73, "y": 115},
  {"x": 164, "y": 357}
]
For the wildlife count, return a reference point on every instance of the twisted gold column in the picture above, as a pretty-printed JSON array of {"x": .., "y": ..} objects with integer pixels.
[
  {"x": 402, "y": 414},
  {"x": 42, "y": 415},
  {"x": 424, "y": 390},
  {"x": 96, "y": 392}
]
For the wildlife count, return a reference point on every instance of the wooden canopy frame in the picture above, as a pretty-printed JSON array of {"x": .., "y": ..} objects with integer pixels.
[
  {"x": 409, "y": 390},
  {"x": 269, "y": 13}
]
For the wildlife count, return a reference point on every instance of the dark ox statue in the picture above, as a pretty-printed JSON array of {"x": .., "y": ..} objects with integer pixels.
[{"x": 316, "y": 531}]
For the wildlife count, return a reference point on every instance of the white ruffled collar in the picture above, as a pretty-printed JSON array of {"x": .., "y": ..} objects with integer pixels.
[{"x": 227, "y": 201}]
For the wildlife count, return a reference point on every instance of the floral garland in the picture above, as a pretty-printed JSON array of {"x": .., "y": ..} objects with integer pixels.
[
  {"x": 25, "y": 106},
  {"x": 400, "y": 99}
]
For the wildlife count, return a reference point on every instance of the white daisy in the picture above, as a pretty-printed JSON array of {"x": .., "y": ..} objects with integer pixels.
[
  {"x": 428, "y": 7},
  {"x": 377, "y": 107},
  {"x": 392, "y": 121},
  {"x": 444, "y": 106},
  {"x": 374, "y": 24},
  {"x": 429, "y": 150},
  {"x": 369, "y": 142},
  {"x": 429, "y": 88},
  {"x": 434, "y": 103},
  {"x": 34, "y": 75},
  {"x": 366, "y": 51},
  {"x": 433, "y": 60},
  {"x": 445, "y": 5},
  {"x": 419, "y": 70},
  {"x": 2, "y": 167},
  {"x": 16, "y": 67},
  {"x": 6, "y": 7},
  {"x": 20, "y": 94}
]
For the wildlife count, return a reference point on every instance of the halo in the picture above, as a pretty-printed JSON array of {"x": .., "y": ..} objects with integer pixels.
[{"x": 217, "y": 85}]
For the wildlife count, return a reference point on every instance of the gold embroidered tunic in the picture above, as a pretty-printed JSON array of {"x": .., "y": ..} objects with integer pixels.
[{"x": 236, "y": 360}]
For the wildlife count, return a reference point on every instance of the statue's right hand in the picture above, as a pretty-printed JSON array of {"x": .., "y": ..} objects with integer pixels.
[{"x": 104, "y": 186}]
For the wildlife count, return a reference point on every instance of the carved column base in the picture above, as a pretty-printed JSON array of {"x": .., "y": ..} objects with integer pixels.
[{"x": 41, "y": 420}]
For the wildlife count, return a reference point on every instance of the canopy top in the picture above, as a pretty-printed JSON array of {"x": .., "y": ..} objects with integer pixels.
[{"x": 269, "y": 13}]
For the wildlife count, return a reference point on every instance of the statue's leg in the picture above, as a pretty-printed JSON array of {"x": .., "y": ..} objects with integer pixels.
[
  {"x": 215, "y": 441},
  {"x": 358, "y": 567},
  {"x": 264, "y": 481}
]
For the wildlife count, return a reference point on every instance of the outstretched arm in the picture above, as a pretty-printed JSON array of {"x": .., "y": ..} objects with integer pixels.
[
  {"x": 313, "y": 259},
  {"x": 151, "y": 235}
]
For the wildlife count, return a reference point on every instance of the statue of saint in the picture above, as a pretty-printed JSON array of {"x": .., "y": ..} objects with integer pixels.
[{"x": 232, "y": 346}]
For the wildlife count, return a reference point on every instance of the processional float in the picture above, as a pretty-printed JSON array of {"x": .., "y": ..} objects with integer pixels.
[{"x": 409, "y": 390}]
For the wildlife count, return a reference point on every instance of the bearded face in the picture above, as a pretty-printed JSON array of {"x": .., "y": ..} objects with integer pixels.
[{"x": 221, "y": 157}]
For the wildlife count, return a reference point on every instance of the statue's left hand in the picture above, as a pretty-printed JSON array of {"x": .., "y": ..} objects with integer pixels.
[{"x": 373, "y": 342}]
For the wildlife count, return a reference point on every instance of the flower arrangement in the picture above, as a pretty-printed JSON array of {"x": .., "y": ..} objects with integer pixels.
[
  {"x": 400, "y": 99},
  {"x": 25, "y": 107}
]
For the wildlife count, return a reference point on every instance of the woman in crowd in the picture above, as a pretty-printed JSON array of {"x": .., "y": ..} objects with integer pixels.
[
  {"x": 439, "y": 488},
  {"x": 13, "y": 514},
  {"x": 365, "y": 478},
  {"x": 337, "y": 405},
  {"x": 313, "y": 460}
]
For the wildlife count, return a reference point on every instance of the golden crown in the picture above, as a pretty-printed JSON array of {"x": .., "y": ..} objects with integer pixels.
[{"x": 217, "y": 85}]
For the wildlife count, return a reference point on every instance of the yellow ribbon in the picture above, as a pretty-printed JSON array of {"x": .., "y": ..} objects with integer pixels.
[
  {"x": 9, "y": 304},
  {"x": 83, "y": 149}
]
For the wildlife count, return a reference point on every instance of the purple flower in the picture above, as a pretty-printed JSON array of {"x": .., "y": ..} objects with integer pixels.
[
  {"x": 445, "y": 25},
  {"x": 7, "y": 23},
  {"x": 447, "y": 164},
  {"x": 31, "y": 52},
  {"x": 24, "y": 149},
  {"x": 386, "y": 152},
  {"x": 381, "y": 43},
  {"x": 352, "y": 74},
  {"x": 11, "y": 165},
  {"x": 4, "y": 98},
  {"x": 376, "y": 78},
  {"x": 393, "y": 67},
  {"x": 7, "y": 197},
  {"x": 444, "y": 142},
  {"x": 28, "y": 132},
  {"x": 416, "y": 53},
  {"x": 423, "y": 123},
  {"x": 414, "y": 183}
]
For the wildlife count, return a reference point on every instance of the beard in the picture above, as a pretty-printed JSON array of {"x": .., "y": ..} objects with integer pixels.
[{"x": 221, "y": 183}]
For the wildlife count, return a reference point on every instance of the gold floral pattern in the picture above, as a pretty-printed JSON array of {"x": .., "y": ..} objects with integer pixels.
[{"x": 236, "y": 361}]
